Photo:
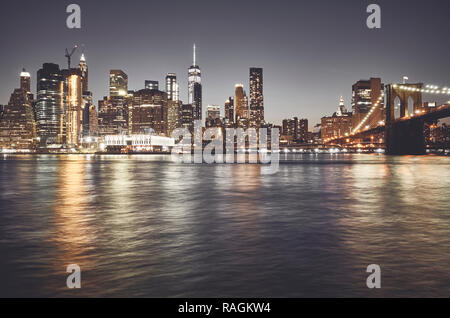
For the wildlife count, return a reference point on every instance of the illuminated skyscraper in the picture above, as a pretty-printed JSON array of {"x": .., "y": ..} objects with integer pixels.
[
  {"x": 256, "y": 97},
  {"x": 195, "y": 88},
  {"x": 172, "y": 87},
  {"x": 241, "y": 105},
  {"x": 25, "y": 84},
  {"x": 118, "y": 83},
  {"x": 74, "y": 105},
  {"x": 50, "y": 104},
  {"x": 25, "y": 81},
  {"x": 84, "y": 73}
]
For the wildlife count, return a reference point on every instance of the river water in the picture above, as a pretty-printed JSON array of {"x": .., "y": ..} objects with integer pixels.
[{"x": 143, "y": 226}]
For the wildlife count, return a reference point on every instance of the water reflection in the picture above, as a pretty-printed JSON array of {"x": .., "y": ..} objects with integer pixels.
[
  {"x": 74, "y": 233},
  {"x": 145, "y": 226}
]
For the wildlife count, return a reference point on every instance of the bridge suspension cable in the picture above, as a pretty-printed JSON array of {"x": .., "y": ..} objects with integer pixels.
[
  {"x": 372, "y": 109},
  {"x": 429, "y": 89}
]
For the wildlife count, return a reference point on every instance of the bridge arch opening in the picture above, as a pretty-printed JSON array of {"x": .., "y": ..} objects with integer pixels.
[
  {"x": 410, "y": 106},
  {"x": 397, "y": 107}
]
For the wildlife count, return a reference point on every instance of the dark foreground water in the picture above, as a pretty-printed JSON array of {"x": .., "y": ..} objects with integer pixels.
[{"x": 144, "y": 226}]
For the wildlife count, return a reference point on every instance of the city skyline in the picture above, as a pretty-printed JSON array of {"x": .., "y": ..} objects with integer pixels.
[{"x": 305, "y": 78}]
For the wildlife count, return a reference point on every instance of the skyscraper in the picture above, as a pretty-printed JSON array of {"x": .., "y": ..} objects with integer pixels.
[
  {"x": 25, "y": 84},
  {"x": 195, "y": 88},
  {"x": 73, "y": 91},
  {"x": 50, "y": 104},
  {"x": 241, "y": 105},
  {"x": 256, "y": 97},
  {"x": 172, "y": 87},
  {"x": 84, "y": 73},
  {"x": 118, "y": 83},
  {"x": 25, "y": 81}
]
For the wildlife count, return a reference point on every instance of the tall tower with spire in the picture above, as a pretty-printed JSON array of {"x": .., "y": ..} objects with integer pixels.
[
  {"x": 195, "y": 87},
  {"x": 84, "y": 73},
  {"x": 341, "y": 109}
]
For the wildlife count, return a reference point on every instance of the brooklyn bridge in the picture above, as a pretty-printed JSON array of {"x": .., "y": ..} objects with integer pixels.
[{"x": 397, "y": 120}]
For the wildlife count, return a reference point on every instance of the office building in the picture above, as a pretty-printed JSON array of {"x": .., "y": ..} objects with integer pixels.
[{"x": 50, "y": 107}]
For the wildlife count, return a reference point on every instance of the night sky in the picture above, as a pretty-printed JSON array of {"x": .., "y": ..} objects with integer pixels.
[{"x": 311, "y": 51}]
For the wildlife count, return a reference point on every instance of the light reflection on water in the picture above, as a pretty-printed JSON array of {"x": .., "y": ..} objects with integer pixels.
[{"x": 144, "y": 226}]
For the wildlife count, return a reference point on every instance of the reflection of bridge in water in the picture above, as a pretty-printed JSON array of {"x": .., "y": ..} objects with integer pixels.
[{"x": 403, "y": 135}]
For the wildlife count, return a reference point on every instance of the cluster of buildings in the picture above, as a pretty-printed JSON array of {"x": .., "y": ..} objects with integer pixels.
[
  {"x": 365, "y": 93},
  {"x": 63, "y": 115}
]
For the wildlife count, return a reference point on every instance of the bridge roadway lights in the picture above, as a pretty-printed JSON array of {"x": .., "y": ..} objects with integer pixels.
[{"x": 405, "y": 138}]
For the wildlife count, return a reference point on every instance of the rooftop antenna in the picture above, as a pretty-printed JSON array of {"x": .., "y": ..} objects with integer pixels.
[
  {"x": 69, "y": 55},
  {"x": 195, "y": 55}
]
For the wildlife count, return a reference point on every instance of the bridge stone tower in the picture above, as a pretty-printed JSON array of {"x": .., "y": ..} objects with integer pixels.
[
  {"x": 403, "y": 92},
  {"x": 404, "y": 137}
]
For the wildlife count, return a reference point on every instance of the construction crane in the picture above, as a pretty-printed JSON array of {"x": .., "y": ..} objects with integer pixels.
[{"x": 69, "y": 55}]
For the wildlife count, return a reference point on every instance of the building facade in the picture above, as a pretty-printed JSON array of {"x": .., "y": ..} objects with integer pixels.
[
  {"x": 149, "y": 112},
  {"x": 256, "y": 97},
  {"x": 172, "y": 88},
  {"x": 50, "y": 106}
]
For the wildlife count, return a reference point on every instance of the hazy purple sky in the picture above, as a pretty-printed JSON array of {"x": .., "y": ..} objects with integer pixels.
[{"x": 311, "y": 51}]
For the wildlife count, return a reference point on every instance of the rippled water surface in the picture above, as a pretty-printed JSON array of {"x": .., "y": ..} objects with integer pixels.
[{"x": 147, "y": 227}]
